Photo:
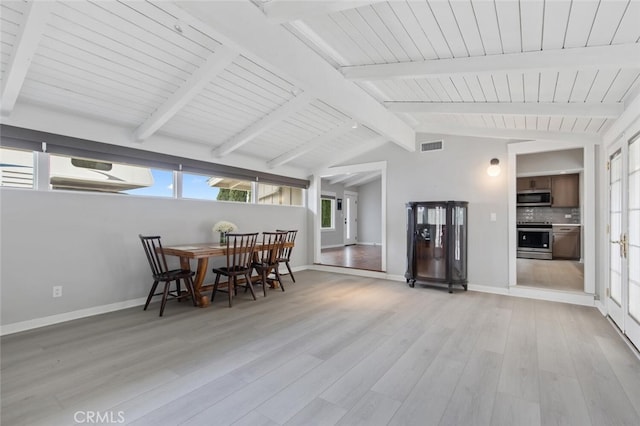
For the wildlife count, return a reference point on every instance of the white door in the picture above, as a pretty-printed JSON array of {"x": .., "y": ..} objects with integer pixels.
[
  {"x": 350, "y": 208},
  {"x": 623, "y": 302}
]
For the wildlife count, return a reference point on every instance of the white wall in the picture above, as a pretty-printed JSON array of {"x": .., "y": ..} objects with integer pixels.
[
  {"x": 88, "y": 243},
  {"x": 456, "y": 173},
  {"x": 369, "y": 212},
  {"x": 550, "y": 162}
]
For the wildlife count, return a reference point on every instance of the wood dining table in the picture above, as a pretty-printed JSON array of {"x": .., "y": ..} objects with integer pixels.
[{"x": 202, "y": 252}]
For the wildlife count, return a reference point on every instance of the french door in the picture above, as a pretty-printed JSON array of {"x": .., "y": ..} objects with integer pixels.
[
  {"x": 350, "y": 218},
  {"x": 623, "y": 299}
]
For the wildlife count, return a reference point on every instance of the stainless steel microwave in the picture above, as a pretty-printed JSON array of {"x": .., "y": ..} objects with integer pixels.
[{"x": 534, "y": 198}]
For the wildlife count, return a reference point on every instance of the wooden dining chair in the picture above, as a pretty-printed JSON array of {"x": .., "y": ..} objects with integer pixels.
[
  {"x": 160, "y": 271},
  {"x": 285, "y": 253},
  {"x": 239, "y": 255},
  {"x": 265, "y": 261}
]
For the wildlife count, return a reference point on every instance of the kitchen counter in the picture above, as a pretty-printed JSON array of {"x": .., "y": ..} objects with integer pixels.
[{"x": 566, "y": 224}]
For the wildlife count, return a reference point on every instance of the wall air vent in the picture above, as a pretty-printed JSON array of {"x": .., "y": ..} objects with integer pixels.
[{"x": 431, "y": 146}]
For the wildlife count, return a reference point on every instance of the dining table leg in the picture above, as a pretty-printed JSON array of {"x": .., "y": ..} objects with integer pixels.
[{"x": 201, "y": 272}]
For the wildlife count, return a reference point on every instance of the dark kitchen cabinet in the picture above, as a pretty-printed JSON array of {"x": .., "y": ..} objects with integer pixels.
[
  {"x": 534, "y": 182},
  {"x": 565, "y": 190},
  {"x": 437, "y": 242},
  {"x": 566, "y": 242}
]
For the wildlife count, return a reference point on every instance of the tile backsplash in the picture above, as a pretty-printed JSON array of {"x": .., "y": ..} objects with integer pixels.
[{"x": 548, "y": 214}]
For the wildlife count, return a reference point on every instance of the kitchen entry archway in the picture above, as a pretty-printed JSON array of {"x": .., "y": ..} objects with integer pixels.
[{"x": 587, "y": 206}]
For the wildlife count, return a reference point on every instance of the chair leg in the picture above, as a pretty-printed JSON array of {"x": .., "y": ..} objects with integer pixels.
[
  {"x": 215, "y": 287},
  {"x": 153, "y": 290},
  {"x": 250, "y": 285},
  {"x": 231, "y": 286},
  {"x": 289, "y": 269},
  {"x": 189, "y": 284},
  {"x": 264, "y": 282},
  {"x": 278, "y": 277},
  {"x": 164, "y": 296},
  {"x": 178, "y": 291}
]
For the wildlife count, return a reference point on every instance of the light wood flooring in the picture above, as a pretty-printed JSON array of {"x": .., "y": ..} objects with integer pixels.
[
  {"x": 566, "y": 275},
  {"x": 356, "y": 256},
  {"x": 332, "y": 349}
]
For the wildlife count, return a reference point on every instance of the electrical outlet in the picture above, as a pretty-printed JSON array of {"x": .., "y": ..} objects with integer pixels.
[{"x": 57, "y": 291}]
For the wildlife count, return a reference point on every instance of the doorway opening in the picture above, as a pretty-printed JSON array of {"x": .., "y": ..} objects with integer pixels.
[
  {"x": 551, "y": 216},
  {"x": 350, "y": 230}
]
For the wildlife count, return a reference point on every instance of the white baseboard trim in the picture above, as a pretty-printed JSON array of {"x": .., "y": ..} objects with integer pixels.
[
  {"x": 488, "y": 289},
  {"x": 360, "y": 243},
  {"x": 349, "y": 271},
  {"x": 17, "y": 327},
  {"x": 332, "y": 246},
  {"x": 553, "y": 295}
]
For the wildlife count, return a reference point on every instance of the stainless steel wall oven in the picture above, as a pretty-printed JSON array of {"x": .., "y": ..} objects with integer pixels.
[{"x": 535, "y": 240}]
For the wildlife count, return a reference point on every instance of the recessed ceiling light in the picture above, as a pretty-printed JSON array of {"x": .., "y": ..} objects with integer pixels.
[
  {"x": 354, "y": 125},
  {"x": 178, "y": 27}
]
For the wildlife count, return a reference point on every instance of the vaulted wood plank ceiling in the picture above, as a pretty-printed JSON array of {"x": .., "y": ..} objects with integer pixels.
[{"x": 306, "y": 84}]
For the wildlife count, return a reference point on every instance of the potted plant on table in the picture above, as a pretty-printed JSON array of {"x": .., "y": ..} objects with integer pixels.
[{"x": 223, "y": 227}]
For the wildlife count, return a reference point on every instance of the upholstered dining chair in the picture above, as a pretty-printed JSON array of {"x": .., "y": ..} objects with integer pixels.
[
  {"x": 265, "y": 261},
  {"x": 239, "y": 255},
  {"x": 160, "y": 271},
  {"x": 285, "y": 253}
]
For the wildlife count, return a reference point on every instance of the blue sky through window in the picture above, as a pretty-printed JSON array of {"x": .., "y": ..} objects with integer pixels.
[{"x": 193, "y": 186}]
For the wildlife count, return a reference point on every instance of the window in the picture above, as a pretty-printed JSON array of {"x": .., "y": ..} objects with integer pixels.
[
  {"x": 279, "y": 194},
  {"x": 83, "y": 174},
  {"x": 327, "y": 213},
  {"x": 203, "y": 187},
  {"x": 16, "y": 168}
]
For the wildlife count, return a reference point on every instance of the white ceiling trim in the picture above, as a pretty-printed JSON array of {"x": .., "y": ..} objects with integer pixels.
[
  {"x": 341, "y": 178},
  {"x": 214, "y": 65},
  {"x": 595, "y": 57},
  {"x": 360, "y": 179},
  {"x": 525, "y": 134},
  {"x": 243, "y": 27},
  {"x": 597, "y": 110},
  {"x": 263, "y": 124},
  {"x": 309, "y": 146},
  {"x": 286, "y": 10},
  {"x": 27, "y": 41},
  {"x": 365, "y": 147}
]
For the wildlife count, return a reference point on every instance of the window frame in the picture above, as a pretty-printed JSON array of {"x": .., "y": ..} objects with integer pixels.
[{"x": 332, "y": 200}]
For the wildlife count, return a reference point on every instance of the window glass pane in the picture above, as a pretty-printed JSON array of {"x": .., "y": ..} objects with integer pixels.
[
  {"x": 327, "y": 213},
  {"x": 215, "y": 188},
  {"x": 16, "y": 168},
  {"x": 85, "y": 174},
  {"x": 277, "y": 194},
  {"x": 162, "y": 185}
]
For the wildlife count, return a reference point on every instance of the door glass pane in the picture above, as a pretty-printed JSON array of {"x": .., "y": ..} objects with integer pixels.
[
  {"x": 634, "y": 190},
  {"x": 615, "y": 217},
  {"x": 633, "y": 259},
  {"x": 348, "y": 213},
  {"x": 616, "y": 287},
  {"x": 634, "y": 155}
]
